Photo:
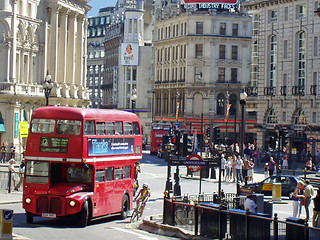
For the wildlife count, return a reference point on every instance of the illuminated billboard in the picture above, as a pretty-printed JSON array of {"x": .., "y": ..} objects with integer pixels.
[{"x": 225, "y": 4}]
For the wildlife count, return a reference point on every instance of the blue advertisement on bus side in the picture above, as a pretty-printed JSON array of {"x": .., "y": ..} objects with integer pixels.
[{"x": 110, "y": 146}]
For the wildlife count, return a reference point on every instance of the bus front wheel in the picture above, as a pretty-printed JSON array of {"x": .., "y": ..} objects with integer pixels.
[
  {"x": 125, "y": 207},
  {"x": 84, "y": 215},
  {"x": 29, "y": 217}
]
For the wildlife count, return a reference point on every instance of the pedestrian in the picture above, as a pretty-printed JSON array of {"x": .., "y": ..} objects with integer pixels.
[
  {"x": 316, "y": 210},
  {"x": 309, "y": 165},
  {"x": 285, "y": 164},
  {"x": 228, "y": 169},
  {"x": 272, "y": 166},
  {"x": 250, "y": 205},
  {"x": 12, "y": 151},
  {"x": 239, "y": 168},
  {"x": 233, "y": 167},
  {"x": 12, "y": 171},
  {"x": 250, "y": 170},
  {"x": 266, "y": 166},
  {"x": 21, "y": 176},
  {"x": 308, "y": 194},
  {"x": 3, "y": 153},
  {"x": 137, "y": 170},
  {"x": 296, "y": 197},
  {"x": 223, "y": 165},
  {"x": 245, "y": 168}
]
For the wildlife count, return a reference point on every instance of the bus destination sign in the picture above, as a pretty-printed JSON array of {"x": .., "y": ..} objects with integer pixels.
[
  {"x": 213, "y": 4},
  {"x": 58, "y": 145}
]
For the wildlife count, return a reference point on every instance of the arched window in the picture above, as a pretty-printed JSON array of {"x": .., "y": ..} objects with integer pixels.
[
  {"x": 272, "y": 61},
  {"x": 220, "y": 104},
  {"x": 233, "y": 101},
  {"x": 272, "y": 118},
  {"x": 301, "y": 58},
  {"x": 299, "y": 119}
]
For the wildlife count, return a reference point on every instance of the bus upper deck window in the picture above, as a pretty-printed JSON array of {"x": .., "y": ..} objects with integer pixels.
[
  {"x": 110, "y": 128},
  {"x": 119, "y": 128},
  {"x": 71, "y": 127},
  {"x": 89, "y": 128},
  {"x": 101, "y": 128},
  {"x": 42, "y": 126},
  {"x": 127, "y": 128},
  {"x": 136, "y": 129}
]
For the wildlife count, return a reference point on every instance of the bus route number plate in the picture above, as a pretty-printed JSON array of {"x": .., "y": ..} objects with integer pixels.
[{"x": 49, "y": 215}]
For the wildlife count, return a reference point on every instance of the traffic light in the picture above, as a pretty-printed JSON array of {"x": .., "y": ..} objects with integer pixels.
[
  {"x": 187, "y": 145},
  {"x": 285, "y": 138},
  {"x": 272, "y": 142},
  {"x": 216, "y": 134},
  {"x": 208, "y": 132}
]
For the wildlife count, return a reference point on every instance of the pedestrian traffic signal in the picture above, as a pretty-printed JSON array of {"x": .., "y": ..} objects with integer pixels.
[{"x": 208, "y": 132}]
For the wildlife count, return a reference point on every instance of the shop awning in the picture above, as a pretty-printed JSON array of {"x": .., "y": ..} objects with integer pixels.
[{"x": 2, "y": 129}]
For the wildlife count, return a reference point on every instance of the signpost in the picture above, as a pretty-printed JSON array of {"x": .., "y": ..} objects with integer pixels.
[{"x": 192, "y": 158}]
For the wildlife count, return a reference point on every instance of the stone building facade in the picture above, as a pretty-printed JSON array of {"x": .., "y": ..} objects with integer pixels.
[
  {"x": 285, "y": 74},
  {"x": 202, "y": 63},
  {"x": 39, "y": 38}
]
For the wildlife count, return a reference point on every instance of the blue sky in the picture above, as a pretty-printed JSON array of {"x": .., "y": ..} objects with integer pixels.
[{"x": 97, "y": 4}]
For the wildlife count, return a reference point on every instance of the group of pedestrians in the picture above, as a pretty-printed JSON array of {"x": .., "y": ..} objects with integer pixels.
[
  {"x": 235, "y": 168},
  {"x": 4, "y": 152}
]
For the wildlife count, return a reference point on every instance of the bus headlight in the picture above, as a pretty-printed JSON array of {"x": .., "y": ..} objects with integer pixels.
[
  {"x": 28, "y": 200},
  {"x": 72, "y": 203}
]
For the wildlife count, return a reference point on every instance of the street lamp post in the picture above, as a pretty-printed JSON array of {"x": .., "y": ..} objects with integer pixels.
[
  {"x": 47, "y": 87},
  {"x": 133, "y": 99},
  {"x": 243, "y": 97},
  {"x": 152, "y": 107}
]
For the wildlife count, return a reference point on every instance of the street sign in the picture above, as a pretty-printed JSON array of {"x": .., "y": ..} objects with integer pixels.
[{"x": 194, "y": 159}]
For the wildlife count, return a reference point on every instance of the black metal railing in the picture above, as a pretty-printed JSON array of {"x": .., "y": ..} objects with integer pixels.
[
  {"x": 270, "y": 91},
  {"x": 283, "y": 90},
  {"x": 313, "y": 90},
  {"x": 298, "y": 90}
]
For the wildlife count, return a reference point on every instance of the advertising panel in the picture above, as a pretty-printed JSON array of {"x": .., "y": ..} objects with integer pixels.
[
  {"x": 129, "y": 54},
  {"x": 110, "y": 146},
  {"x": 213, "y": 4}
]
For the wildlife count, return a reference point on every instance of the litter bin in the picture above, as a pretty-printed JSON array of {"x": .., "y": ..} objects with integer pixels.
[
  {"x": 276, "y": 192},
  {"x": 210, "y": 221},
  {"x": 268, "y": 208},
  {"x": 6, "y": 219},
  {"x": 294, "y": 231}
]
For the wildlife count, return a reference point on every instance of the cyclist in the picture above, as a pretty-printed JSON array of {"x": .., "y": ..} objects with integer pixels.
[{"x": 142, "y": 197}]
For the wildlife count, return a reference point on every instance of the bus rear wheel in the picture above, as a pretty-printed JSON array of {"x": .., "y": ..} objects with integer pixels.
[
  {"x": 84, "y": 215},
  {"x": 29, "y": 217},
  {"x": 125, "y": 207}
]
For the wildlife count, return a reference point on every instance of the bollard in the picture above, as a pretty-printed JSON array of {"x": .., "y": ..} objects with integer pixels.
[
  {"x": 6, "y": 220},
  {"x": 276, "y": 192}
]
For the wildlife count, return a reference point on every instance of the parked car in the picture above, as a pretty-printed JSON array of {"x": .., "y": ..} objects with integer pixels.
[{"x": 288, "y": 185}]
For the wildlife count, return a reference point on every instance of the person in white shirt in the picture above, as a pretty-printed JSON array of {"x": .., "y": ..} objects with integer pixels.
[
  {"x": 238, "y": 169},
  {"x": 223, "y": 165},
  {"x": 250, "y": 205}
]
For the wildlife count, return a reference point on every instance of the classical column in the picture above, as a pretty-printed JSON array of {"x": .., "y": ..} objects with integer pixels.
[
  {"x": 62, "y": 69},
  {"x": 13, "y": 55},
  {"x": 71, "y": 49},
  {"x": 53, "y": 55},
  {"x": 79, "y": 51}
]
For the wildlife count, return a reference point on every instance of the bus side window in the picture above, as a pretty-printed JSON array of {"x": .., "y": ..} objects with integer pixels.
[
  {"x": 127, "y": 171},
  {"x": 119, "y": 128},
  {"x": 101, "y": 128},
  {"x": 118, "y": 173},
  {"x": 136, "y": 129},
  {"x": 89, "y": 128},
  {"x": 110, "y": 128},
  {"x": 127, "y": 128},
  {"x": 109, "y": 174},
  {"x": 100, "y": 175}
]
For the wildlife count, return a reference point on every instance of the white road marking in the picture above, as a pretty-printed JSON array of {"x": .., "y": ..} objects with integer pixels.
[{"x": 141, "y": 236}]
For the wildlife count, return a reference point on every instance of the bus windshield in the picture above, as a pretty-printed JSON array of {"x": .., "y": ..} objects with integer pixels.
[{"x": 37, "y": 172}]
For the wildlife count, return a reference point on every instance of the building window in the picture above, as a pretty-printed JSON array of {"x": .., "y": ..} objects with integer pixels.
[
  {"x": 234, "y": 75},
  {"x": 285, "y": 49},
  {"x": 301, "y": 58},
  {"x": 272, "y": 61},
  {"x": 222, "y": 52},
  {"x": 314, "y": 117},
  {"x": 221, "y": 74},
  {"x": 234, "y": 53},
  {"x": 199, "y": 50},
  {"x": 286, "y": 13},
  {"x": 233, "y": 100},
  {"x": 315, "y": 46},
  {"x": 199, "y": 27},
  {"x": 284, "y": 116},
  {"x": 235, "y": 27},
  {"x": 273, "y": 16},
  {"x": 301, "y": 11},
  {"x": 220, "y": 104},
  {"x": 198, "y": 74},
  {"x": 223, "y": 27},
  {"x": 272, "y": 118}
]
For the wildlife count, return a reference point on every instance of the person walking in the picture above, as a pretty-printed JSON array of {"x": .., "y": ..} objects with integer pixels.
[
  {"x": 285, "y": 164},
  {"x": 233, "y": 167},
  {"x": 3, "y": 153},
  {"x": 12, "y": 172},
  {"x": 308, "y": 194},
  {"x": 238, "y": 169},
  {"x": 309, "y": 165},
  {"x": 272, "y": 166},
  {"x": 250, "y": 170},
  {"x": 296, "y": 197},
  {"x": 228, "y": 169},
  {"x": 223, "y": 166},
  {"x": 137, "y": 170},
  {"x": 21, "y": 176},
  {"x": 12, "y": 151},
  {"x": 316, "y": 210}
]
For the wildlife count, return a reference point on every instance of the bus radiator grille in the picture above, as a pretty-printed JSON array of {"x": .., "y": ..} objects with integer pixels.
[
  {"x": 42, "y": 205},
  {"x": 56, "y": 205}
]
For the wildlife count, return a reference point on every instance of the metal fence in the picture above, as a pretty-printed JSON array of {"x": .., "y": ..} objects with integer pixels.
[{"x": 216, "y": 221}]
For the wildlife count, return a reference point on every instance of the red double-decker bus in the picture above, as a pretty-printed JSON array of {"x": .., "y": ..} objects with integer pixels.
[
  {"x": 80, "y": 162},
  {"x": 158, "y": 130}
]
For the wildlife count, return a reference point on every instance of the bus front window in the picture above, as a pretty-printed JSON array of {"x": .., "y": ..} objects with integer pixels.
[{"x": 37, "y": 172}]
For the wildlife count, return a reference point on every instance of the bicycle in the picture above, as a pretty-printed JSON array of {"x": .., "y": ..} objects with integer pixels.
[{"x": 136, "y": 212}]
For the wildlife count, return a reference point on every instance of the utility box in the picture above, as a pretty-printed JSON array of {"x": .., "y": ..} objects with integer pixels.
[
  {"x": 6, "y": 222},
  {"x": 276, "y": 192}
]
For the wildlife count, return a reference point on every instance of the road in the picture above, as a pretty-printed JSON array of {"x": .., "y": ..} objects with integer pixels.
[{"x": 154, "y": 172}]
